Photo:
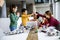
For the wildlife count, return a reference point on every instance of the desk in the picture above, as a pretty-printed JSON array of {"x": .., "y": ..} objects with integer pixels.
[
  {"x": 22, "y": 36},
  {"x": 43, "y": 36}
]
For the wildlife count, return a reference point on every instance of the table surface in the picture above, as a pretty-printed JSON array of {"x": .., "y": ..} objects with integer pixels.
[
  {"x": 24, "y": 36},
  {"x": 43, "y": 36}
]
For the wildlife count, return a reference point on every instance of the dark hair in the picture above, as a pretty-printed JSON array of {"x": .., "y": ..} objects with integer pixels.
[
  {"x": 48, "y": 13},
  {"x": 37, "y": 12},
  {"x": 37, "y": 15},
  {"x": 23, "y": 10},
  {"x": 11, "y": 8}
]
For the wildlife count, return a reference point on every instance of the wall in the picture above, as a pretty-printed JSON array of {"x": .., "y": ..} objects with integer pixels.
[
  {"x": 29, "y": 8},
  {"x": 58, "y": 10},
  {"x": 41, "y": 8}
]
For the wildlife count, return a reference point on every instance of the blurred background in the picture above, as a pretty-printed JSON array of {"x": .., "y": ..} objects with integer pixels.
[{"x": 32, "y": 5}]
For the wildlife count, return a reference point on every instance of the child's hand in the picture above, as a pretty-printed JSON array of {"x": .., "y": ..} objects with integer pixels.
[
  {"x": 33, "y": 12},
  {"x": 47, "y": 25},
  {"x": 18, "y": 14}
]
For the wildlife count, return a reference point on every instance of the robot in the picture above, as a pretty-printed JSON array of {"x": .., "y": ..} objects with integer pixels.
[{"x": 51, "y": 31}]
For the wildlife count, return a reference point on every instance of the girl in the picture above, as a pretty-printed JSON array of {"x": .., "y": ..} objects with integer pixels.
[
  {"x": 36, "y": 24},
  {"x": 13, "y": 18},
  {"x": 51, "y": 20}
]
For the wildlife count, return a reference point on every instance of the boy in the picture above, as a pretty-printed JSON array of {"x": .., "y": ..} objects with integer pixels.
[{"x": 25, "y": 18}]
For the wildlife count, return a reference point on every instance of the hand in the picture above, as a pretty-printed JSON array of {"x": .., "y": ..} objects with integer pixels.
[
  {"x": 47, "y": 25},
  {"x": 18, "y": 14},
  {"x": 34, "y": 13}
]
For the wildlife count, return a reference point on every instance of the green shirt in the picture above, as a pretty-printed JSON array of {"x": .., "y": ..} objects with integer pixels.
[{"x": 13, "y": 19}]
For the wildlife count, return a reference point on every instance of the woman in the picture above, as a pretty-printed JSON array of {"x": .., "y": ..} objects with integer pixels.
[
  {"x": 51, "y": 20},
  {"x": 13, "y": 18}
]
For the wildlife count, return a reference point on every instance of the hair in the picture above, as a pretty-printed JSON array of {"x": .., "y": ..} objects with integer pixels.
[
  {"x": 11, "y": 8},
  {"x": 37, "y": 12},
  {"x": 23, "y": 10},
  {"x": 48, "y": 13},
  {"x": 37, "y": 15}
]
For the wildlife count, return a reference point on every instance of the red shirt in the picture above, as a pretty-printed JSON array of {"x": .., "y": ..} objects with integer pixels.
[{"x": 52, "y": 21}]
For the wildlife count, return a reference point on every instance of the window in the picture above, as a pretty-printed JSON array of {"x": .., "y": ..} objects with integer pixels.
[
  {"x": 46, "y": 1},
  {"x": 41, "y": 1},
  {"x": 35, "y": 0}
]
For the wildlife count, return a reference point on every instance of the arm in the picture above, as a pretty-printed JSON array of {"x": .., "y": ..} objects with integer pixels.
[
  {"x": 25, "y": 16},
  {"x": 16, "y": 17},
  {"x": 41, "y": 15},
  {"x": 30, "y": 15}
]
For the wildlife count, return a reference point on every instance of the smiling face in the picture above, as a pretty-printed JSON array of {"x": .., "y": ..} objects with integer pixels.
[{"x": 25, "y": 12}]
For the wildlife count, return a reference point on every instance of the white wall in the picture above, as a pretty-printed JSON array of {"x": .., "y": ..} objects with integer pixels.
[
  {"x": 41, "y": 8},
  {"x": 54, "y": 10},
  {"x": 4, "y": 14},
  {"x": 4, "y": 24},
  {"x": 58, "y": 10}
]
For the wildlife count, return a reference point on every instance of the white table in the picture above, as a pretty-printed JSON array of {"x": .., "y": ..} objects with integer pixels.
[
  {"x": 22, "y": 36},
  {"x": 43, "y": 36}
]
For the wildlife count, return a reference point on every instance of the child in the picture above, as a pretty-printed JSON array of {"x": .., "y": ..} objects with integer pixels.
[
  {"x": 13, "y": 18},
  {"x": 25, "y": 17},
  {"x": 51, "y": 20},
  {"x": 36, "y": 23}
]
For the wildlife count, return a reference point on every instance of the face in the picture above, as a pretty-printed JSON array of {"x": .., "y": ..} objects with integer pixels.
[
  {"x": 25, "y": 12},
  {"x": 35, "y": 16},
  {"x": 47, "y": 16},
  {"x": 15, "y": 9}
]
